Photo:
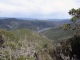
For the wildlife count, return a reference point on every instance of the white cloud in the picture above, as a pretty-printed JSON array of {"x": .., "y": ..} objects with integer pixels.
[{"x": 37, "y": 6}]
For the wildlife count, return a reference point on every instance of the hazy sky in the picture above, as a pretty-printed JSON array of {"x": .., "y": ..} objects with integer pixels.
[{"x": 44, "y": 9}]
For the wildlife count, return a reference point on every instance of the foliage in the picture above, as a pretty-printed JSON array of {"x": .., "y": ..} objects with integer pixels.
[
  {"x": 22, "y": 44},
  {"x": 75, "y": 45},
  {"x": 75, "y": 13},
  {"x": 21, "y": 57},
  {"x": 75, "y": 28},
  {"x": 66, "y": 26},
  {"x": 10, "y": 44},
  {"x": 12, "y": 24},
  {"x": 7, "y": 35},
  {"x": 57, "y": 34}
]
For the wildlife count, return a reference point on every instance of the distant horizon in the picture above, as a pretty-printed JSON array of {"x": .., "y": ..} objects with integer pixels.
[{"x": 32, "y": 18}]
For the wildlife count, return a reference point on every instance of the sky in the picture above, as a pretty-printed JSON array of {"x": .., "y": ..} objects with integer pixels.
[{"x": 39, "y": 9}]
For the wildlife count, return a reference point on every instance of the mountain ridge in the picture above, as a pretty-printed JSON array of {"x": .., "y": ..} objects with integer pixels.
[{"x": 13, "y": 23}]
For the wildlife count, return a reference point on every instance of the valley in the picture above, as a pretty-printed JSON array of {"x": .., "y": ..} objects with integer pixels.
[
  {"x": 13, "y": 23},
  {"x": 34, "y": 40},
  {"x": 39, "y": 29},
  {"x": 44, "y": 29}
]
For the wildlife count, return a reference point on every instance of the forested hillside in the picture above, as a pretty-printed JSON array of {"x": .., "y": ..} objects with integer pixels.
[
  {"x": 57, "y": 34},
  {"x": 36, "y": 25},
  {"x": 12, "y": 23},
  {"x": 24, "y": 44}
]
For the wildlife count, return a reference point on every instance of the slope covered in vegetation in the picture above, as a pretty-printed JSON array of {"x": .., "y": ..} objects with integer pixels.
[
  {"x": 57, "y": 34},
  {"x": 12, "y": 23},
  {"x": 33, "y": 24},
  {"x": 24, "y": 44}
]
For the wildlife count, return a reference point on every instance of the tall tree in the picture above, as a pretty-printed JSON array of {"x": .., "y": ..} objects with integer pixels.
[
  {"x": 75, "y": 13},
  {"x": 75, "y": 40},
  {"x": 75, "y": 26}
]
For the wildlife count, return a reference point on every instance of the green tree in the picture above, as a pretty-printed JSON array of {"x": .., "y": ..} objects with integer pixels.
[
  {"x": 75, "y": 13},
  {"x": 66, "y": 26},
  {"x": 75, "y": 25}
]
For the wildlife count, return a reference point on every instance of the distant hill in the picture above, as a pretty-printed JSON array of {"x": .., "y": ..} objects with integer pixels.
[
  {"x": 57, "y": 34},
  {"x": 12, "y": 23},
  {"x": 65, "y": 21},
  {"x": 33, "y": 24}
]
